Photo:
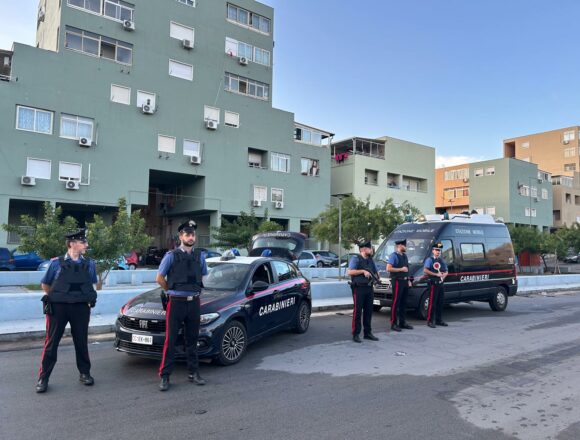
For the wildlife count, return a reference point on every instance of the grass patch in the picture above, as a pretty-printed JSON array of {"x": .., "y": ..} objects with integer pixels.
[{"x": 32, "y": 287}]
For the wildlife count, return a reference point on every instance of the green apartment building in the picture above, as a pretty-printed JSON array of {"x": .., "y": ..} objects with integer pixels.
[
  {"x": 384, "y": 168},
  {"x": 167, "y": 103},
  {"x": 511, "y": 189}
]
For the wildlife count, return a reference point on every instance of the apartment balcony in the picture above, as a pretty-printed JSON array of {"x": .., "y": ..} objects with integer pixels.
[{"x": 345, "y": 150}]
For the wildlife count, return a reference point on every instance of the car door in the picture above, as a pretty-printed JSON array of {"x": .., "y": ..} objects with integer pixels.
[
  {"x": 286, "y": 293},
  {"x": 261, "y": 303}
]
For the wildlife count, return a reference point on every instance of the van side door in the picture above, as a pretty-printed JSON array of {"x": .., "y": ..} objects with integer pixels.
[
  {"x": 452, "y": 284},
  {"x": 474, "y": 270}
]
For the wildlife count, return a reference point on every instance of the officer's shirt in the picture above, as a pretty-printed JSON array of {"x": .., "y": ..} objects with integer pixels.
[
  {"x": 54, "y": 269},
  {"x": 429, "y": 262},
  {"x": 166, "y": 263},
  {"x": 353, "y": 263},
  {"x": 395, "y": 260}
]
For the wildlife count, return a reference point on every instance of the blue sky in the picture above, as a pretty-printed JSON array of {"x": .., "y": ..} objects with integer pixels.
[{"x": 458, "y": 75}]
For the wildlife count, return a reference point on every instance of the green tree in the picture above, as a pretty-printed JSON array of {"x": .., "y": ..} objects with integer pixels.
[
  {"x": 45, "y": 236},
  {"x": 239, "y": 232},
  {"x": 526, "y": 239},
  {"x": 360, "y": 220}
]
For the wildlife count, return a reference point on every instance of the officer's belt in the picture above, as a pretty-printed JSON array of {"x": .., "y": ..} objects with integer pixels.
[
  {"x": 183, "y": 298},
  {"x": 401, "y": 278}
]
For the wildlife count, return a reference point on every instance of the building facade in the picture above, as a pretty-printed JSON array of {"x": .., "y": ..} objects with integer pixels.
[
  {"x": 452, "y": 189},
  {"x": 384, "y": 168},
  {"x": 566, "y": 207},
  {"x": 165, "y": 103}
]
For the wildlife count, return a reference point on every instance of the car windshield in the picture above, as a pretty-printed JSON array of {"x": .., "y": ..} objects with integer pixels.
[
  {"x": 225, "y": 276},
  {"x": 417, "y": 250}
]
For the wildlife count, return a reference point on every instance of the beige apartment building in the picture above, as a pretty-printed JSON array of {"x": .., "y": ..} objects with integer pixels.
[{"x": 558, "y": 153}]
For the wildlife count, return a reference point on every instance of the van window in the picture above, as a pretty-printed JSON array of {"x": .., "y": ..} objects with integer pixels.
[
  {"x": 472, "y": 251},
  {"x": 447, "y": 251},
  {"x": 417, "y": 250},
  {"x": 500, "y": 251}
]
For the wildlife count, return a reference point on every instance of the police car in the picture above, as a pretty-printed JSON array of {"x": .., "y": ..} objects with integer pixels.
[{"x": 244, "y": 299}]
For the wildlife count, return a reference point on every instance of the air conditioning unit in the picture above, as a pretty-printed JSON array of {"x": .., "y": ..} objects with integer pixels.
[
  {"x": 536, "y": 199},
  {"x": 72, "y": 185},
  {"x": 128, "y": 25},
  {"x": 210, "y": 124},
  {"x": 466, "y": 180},
  {"x": 256, "y": 203},
  {"x": 278, "y": 205},
  {"x": 540, "y": 180},
  {"x": 195, "y": 160},
  {"x": 147, "y": 109},
  {"x": 187, "y": 44},
  {"x": 28, "y": 181},
  {"x": 565, "y": 142},
  {"x": 85, "y": 142},
  {"x": 243, "y": 61}
]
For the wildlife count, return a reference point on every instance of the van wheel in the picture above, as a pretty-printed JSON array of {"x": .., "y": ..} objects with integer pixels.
[
  {"x": 499, "y": 300},
  {"x": 423, "y": 306}
]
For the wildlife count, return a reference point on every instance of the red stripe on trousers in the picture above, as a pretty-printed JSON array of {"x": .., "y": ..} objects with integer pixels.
[
  {"x": 166, "y": 336},
  {"x": 430, "y": 302},
  {"x": 354, "y": 312},
  {"x": 44, "y": 349},
  {"x": 394, "y": 305}
]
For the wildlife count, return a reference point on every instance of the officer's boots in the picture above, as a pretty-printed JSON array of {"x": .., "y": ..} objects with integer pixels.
[
  {"x": 196, "y": 378},
  {"x": 42, "y": 385},
  {"x": 164, "y": 383}
]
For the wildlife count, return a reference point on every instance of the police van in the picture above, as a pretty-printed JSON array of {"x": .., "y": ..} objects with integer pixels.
[{"x": 477, "y": 249}]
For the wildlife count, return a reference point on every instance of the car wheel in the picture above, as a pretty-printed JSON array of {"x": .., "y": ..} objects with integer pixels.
[
  {"x": 302, "y": 320},
  {"x": 377, "y": 308},
  {"x": 132, "y": 267},
  {"x": 319, "y": 264},
  {"x": 423, "y": 306},
  {"x": 233, "y": 343},
  {"x": 499, "y": 300}
]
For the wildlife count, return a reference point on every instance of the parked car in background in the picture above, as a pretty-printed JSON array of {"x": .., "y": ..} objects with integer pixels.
[
  {"x": 154, "y": 255},
  {"x": 572, "y": 258},
  {"x": 132, "y": 260},
  {"x": 306, "y": 259},
  {"x": 325, "y": 258},
  {"x": 345, "y": 259},
  {"x": 210, "y": 254},
  {"x": 26, "y": 260},
  {"x": 6, "y": 260}
]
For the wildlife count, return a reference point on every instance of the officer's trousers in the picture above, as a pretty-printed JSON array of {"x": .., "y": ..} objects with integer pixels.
[
  {"x": 78, "y": 315},
  {"x": 179, "y": 311},
  {"x": 436, "y": 298},
  {"x": 363, "y": 307},
  {"x": 399, "y": 305}
]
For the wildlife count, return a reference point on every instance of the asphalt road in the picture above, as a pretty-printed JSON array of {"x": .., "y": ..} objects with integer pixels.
[{"x": 486, "y": 376}]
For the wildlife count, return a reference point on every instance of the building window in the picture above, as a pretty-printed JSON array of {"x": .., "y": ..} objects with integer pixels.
[
  {"x": 118, "y": 10},
  {"x": 569, "y": 136},
  {"x": 256, "y": 158},
  {"x": 569, "y": 167},
  {"x": 181, "y": 70},
  {"x": 191, "y": 148},
  {"x": 69, "y": 171},
  {"x": 309, "y": 167},
  {"x": 89, "y": 5},
  {"x": 460, "y": 174},
  {"x": 569, "y": 152},
  {"x": 527, "y": 212},
  {"x": 187, "y": 2},
  {"x": 534, "y": 212},
  {"x": 235, "y": 48},
  {"x": 33, "y": 119},
  {"x": 165, "y": 144},
  {"x": 524, "y": 190},
  {"x": 248, "y": 19},
  {"x": 544, "y": 194},
  {"x": 371, "y": 177},
  {"x": 478, "y": 172},
  {"x": 525, "y": 145},
  {"x": 232, "y": 119},
  {"x": 211, "y": 114},
  {"x": 245, "y": 86},
  {"x": 181, "y": 32},
  {"x": 280, "y": 162},
  {"x": 38, "y": 168},
  {"x": 490, "y": 171},
  {"x": 98, "y": 46},
  {"x": 146, "y": 98},
  {"x": 490, "y": 210},
  {"x": 277, "y": 195},
  {"x": 120, "y": 94},
  {"x": 308, "y": 136},
  {"x": 534, "y": 192},
  {"x": 261, "y": 193},
  {"x": 75, "y": 127}
]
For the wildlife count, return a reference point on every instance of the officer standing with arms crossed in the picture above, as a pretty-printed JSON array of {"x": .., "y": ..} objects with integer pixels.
[
  {"x": 184, "y": 268},
  {"x": 436, "y": 269},
  {"x": 70, "y": 293},
  {"x": 362, "y": 269},
  {"x": 398, "y": 268}
]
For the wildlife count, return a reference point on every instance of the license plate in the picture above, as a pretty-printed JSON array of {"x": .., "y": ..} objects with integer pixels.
[
  {"x": 142, "y": 339},
  {"x": 376, "y": 302}
]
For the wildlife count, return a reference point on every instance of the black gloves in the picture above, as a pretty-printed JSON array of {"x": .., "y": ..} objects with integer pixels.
[
  {"x": 93, "y": 303},
  {"x": 46, "y": 305},
  {"x": 164, "y": 299}
]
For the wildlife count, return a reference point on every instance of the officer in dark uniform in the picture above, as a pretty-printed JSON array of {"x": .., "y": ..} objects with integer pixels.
[
  {"x": 398, "y": 268},
  {"x": 69, "y": 295},
  {"x": 436, "y": 269},
  {"x": 362, "y": 270},
  {"x": 184, "y": 268}
]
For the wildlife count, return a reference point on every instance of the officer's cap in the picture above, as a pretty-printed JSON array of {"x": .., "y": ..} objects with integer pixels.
[
  {"x": 438, "y": 246},
  {"x": 364, "y": 243},
  {"x": 188, "y": 227},
  {"x": 78, "y": 235},
  {"x": 403, "y": 242}
]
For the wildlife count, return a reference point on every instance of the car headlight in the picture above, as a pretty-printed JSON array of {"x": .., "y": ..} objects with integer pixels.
[{"x": 208, "y": 317}]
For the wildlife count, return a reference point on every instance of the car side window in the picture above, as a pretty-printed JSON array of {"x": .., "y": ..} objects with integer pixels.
[
  {"x": 284, "y": 271},
  {"x": 263, "y": 273}
]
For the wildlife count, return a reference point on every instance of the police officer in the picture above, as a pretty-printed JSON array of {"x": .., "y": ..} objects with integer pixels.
[
  {"x": 70, "y": 293},
  {"x": 398, "y": 268},
  {"x": 362, "y": 269},
  {"x": 184, "y": 268},
  {"x": 436, "y": 269}
]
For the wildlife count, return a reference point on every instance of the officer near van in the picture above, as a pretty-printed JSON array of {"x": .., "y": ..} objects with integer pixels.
[
  {"x": 362, "y": 270},
  {"x": 436, "y": 270},
  {"x": 398, "y": 268},
  {"x": 180, "y": 276},
  {"x": 70, "y": 294}
]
